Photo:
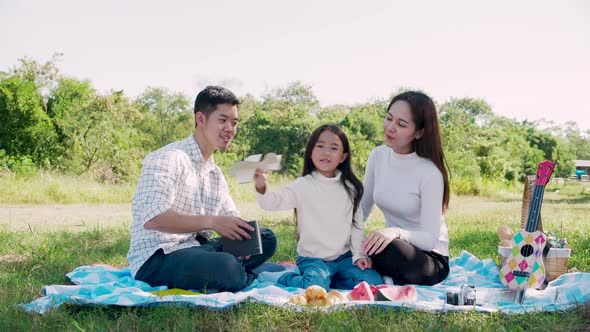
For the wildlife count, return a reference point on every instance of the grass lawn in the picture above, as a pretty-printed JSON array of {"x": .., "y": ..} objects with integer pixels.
[{"x": 30, "y": 259}]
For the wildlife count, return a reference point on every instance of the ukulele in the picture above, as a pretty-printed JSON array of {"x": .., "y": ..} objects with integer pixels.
[{"x": 525, "y": 267}]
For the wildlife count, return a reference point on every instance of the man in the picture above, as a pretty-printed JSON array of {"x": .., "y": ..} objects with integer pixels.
[{"x": 181, "y": 197}]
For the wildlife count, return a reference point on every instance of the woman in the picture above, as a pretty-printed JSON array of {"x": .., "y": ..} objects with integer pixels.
[{"x": 408, "y": 181}]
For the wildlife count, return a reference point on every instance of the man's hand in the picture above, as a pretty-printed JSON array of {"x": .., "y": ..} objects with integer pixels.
[
  {"x": 364, "y": 263},
  {"x": 173, "y": 222},
  {"x": 233, "y": 228},
  {"x": 260, "y": 181},
  {"x": 379, "y": 239}
]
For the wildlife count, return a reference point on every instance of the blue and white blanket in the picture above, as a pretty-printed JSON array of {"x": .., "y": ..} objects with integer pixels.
[{"x": 104, "y": 285}]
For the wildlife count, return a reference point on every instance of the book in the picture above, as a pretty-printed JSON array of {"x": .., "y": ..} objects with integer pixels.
[{"x": 245, "y": 247}]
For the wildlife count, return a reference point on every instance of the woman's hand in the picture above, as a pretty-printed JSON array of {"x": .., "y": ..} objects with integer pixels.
[
  {"x": 379, "y": 239},
  {"x": 364, "y": 263},
  {"x": 260, "y": 181}
]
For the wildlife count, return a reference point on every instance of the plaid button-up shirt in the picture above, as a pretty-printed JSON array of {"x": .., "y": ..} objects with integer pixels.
[{"x": 175, "y": 177}]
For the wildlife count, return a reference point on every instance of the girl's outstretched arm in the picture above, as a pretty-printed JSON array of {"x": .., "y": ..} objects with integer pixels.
[{"x": 279, "y": 200}]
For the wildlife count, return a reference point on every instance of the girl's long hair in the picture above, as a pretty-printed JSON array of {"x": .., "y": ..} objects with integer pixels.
[
  {"x": 430, "y": 144},
  {"x": 352, "y": 184}
]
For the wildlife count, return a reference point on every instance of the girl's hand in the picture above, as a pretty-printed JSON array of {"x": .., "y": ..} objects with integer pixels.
[
  {"x": 379, "y": 239},
  {"x": 260, "y": 181},
  {"x": 364, "y": 263}
]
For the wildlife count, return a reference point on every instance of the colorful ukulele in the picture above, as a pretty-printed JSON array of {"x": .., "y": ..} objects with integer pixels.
[{"x": 525, "y": 266}]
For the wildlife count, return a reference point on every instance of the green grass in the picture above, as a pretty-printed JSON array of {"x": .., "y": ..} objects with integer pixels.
[
  {"x": 51, "y": 187},
  {"x": 31, "y": 259}
]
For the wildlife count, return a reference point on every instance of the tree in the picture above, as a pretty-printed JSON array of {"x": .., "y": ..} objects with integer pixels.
[
  {"x": 106, "y": 141},
  {"x": 333, "y": 114},
  {"x": 166, "y": 116},
  {"x": 363, "y": 125},
  {"x": 283, "y": 123},
  {"x": 459, "y": 139},
  {"x": 26, "y": 129},
  {"x": 67, "y": 106},
  {"x": 42, "y": 75},
  {"x": 578, "y": 142}
]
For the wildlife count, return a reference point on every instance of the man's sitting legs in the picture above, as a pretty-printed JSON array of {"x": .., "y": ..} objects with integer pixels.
[{"x": 205, "y": 267}]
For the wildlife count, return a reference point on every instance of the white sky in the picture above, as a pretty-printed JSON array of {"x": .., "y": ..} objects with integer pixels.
[{"x": 528, "y": 59}]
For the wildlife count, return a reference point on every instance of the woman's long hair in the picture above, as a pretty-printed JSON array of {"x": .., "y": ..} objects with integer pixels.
[
  {"x": 352, "y": 184},
  {"x": 430, "y": 144}
]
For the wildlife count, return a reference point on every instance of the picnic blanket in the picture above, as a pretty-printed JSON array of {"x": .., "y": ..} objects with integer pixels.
[{"x": 100, "y": 285}]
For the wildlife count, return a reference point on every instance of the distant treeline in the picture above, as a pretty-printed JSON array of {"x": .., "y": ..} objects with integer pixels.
[{"x": 49, "y": 121}]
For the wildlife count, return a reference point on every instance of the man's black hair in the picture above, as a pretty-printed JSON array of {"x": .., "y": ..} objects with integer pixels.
[{"x": 208, "y": 99}]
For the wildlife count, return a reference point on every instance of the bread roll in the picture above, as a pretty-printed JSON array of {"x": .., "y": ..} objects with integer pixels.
[
  {"x": 315, "y": 292},
  {"x": 298, "y": 299}
]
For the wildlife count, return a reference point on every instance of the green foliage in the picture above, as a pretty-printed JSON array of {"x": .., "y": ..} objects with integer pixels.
[
  {"x": 578, "y": 142},
  {"x": 26, "y": 129},
  {"x": 332, "y": 114},
  {"x": 42, "y": 75},
  {"x": 282, "y": 124},
  {"x": 480, "y": 144},
  {"x": 51, "y": 121},
  {"x": 363, "y": 126},
  {"x": 67, "y": 106},
  {"x": 165, "y": 117}
]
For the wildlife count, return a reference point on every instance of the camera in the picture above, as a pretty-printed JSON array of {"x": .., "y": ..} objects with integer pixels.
[{"x": 466, "y": 296}]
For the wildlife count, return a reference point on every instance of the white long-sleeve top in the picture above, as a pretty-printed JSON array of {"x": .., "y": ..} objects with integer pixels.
[
  {"x": 324, "y": 216},
  {"x": 408, "y": 190}
]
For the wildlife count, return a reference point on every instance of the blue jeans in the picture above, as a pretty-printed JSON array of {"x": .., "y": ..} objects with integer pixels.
[
  {"x": 340, "y": 273},
  {"x": 205, "y": 268}
]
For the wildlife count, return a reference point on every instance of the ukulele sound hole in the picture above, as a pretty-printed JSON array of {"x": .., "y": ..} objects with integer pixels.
[{"x": 526, "y": 250}]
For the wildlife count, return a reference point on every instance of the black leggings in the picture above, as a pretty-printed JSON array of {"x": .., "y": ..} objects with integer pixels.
[{"x": 406, "y": 264}]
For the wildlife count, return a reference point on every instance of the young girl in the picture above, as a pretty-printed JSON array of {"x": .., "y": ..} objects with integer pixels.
[
  {"x": 408, "y": 180},
  {"x": 329, "y": 219}
]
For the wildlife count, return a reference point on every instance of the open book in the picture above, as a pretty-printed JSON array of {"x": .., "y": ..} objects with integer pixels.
[{"x": 245, "y": 247}]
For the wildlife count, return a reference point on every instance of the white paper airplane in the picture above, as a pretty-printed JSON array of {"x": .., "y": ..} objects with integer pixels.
[{"x": 244, "y": 170}]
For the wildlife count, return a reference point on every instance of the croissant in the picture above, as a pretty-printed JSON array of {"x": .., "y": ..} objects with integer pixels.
[{"x": 334, "y": 297}]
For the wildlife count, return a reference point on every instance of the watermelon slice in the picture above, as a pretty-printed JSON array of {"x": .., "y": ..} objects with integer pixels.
[
  {"x": 397, "y": 293},
  {"x": 374, "y": 289},
  {"x": 362, "y": 291}
]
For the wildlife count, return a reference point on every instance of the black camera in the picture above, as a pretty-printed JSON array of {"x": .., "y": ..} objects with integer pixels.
[{"x": 466, "y": 296}]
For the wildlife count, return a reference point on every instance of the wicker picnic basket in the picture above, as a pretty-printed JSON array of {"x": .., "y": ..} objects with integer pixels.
[{"x": 558, "y": 258}]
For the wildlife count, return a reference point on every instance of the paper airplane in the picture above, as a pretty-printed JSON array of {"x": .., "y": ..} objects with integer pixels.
[{"x": 244, "y": 170}]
